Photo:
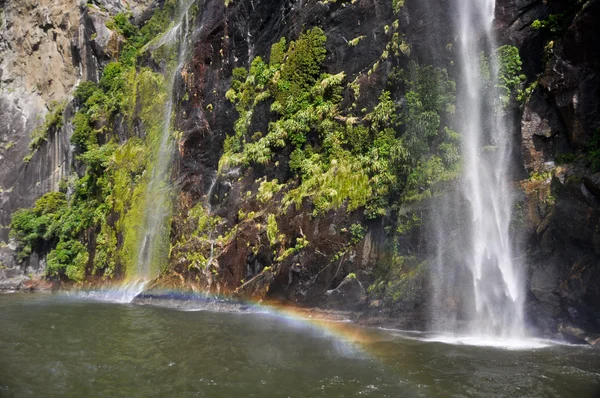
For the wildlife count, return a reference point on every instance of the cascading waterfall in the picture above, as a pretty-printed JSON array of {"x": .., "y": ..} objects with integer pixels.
[
  {"x": 208, "y": 268},
  {"x": 154, "y": 242},
  {"x": 496, "y": 306}
]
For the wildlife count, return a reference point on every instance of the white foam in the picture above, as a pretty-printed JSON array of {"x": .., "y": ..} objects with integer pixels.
[
  {"x": 491, "y": 341},
  {"x": 124, "y": 294}
]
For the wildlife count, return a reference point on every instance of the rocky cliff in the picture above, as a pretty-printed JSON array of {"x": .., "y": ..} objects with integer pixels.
[{"x": 314, "y": 142}]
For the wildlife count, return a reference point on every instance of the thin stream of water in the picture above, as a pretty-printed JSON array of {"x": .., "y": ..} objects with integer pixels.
[{"x": 158, "y": 196}]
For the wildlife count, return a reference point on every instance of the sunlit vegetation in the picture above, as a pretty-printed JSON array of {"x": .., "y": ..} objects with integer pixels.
[
  {"x": 53, "y": 122},
  {"x": 338, "y": 157},
  {"x": 107, "y": 199}
]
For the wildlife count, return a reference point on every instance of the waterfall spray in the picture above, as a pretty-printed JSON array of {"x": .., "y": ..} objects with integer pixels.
[{"x": 495, "y": 308}]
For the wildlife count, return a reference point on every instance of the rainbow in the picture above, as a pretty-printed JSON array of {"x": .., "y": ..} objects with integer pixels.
[{"x": 333, "y": 324}]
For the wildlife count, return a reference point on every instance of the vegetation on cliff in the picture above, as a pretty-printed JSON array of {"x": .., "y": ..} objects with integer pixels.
[
  {"x": 398, "y": 149},
  {"x": 105, "y": 203},
  {"x": 372, "y": 159}
]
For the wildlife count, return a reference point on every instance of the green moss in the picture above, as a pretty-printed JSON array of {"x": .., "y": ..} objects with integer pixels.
[
  {"x": 397, "y": 5},
  {"x": 354, "y": 42},
  {"x": 565, "y": 158},
  {"x": 510, "y": 77},
  {"x": 267, "y": 189},
  {"x": 52, "y": 124},
  {"x": 272, "y": 230},
  {"x": 329, "y": 188},
  {"x": 111, "y": 196}
]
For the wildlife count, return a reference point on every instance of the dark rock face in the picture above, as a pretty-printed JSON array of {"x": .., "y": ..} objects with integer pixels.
[
  {"x": 563, "y": 209},
  {"x": 349, "y": 295},
  {"x": 572, "y": 76},
  {"x": 542, "y": 132}
]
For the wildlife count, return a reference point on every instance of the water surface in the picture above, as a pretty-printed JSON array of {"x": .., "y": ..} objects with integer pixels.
[{"x": 56, "y": 346}]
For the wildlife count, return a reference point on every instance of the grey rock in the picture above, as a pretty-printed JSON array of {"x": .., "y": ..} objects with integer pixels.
[
  {"x": 540, "y": 122},
  {"x": 348, "y": 295}
]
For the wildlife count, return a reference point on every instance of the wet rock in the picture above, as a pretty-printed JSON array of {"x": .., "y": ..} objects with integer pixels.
[
  {"x": 571, "y": 77},
  {"x": 540, "y": 123},
  {"x": 12, "y": 279},
  {"x": 348, "y": 295},
  {"x": 592, "y": 182},
  {"x": 578, "y": 336}
]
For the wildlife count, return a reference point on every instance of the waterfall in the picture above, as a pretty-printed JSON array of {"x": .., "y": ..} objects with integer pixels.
[
  {"x": 208, "y": 267},
  {"x": 153, "y": 248},
  {"x": 493, "y": 305}
]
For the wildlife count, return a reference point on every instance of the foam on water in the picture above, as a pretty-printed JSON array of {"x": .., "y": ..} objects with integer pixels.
[
  {"x": 116, "y": 294},
  {"x": 490, "y": 341}
]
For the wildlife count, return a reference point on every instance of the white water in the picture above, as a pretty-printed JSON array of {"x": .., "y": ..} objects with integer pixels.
[
  {"x": 151, "y": 256},
  {"x": 494, "y": 313},
  {"x": 208, "y": 267},
  {"x": 121, "y": 294}
]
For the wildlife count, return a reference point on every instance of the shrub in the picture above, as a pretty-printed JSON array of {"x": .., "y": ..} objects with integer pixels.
[
  {"x": 68, "y": 259},
  {"x": 52, "y": 123},
  {"x": 510, "y": 77}
]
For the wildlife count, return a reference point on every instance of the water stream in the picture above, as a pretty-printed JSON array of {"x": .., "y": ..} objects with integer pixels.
[
  {"x": 208, "y": 266},
  {"x": 495, "y": 309},
  {"x": 158, "y": 203}
]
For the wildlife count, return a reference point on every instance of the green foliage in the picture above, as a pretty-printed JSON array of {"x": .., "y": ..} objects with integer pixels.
[
  {"x": 303, "y": 64},
  {"x": 400, "y": 281},
  {"x": 83, "y": 134},
  {"x": 136, "y": 38},
  {"x": 557, "y": 24},
  {"x": 109, "y": 197},
  {"x": 552, "y": 24},
  {"x": 338, "y": 158},
  {"x": 397, "y": 5},
  {"x": 331, "y": 185},
  {"x": 272, "y": 230},
  {"x": 408, "y": 222},
  {"x": 510, "y": 77},
  {"x": 267, "y": 189},
  {"x": 301, "y": 243},
  {"x": 354, "y": 42},
  {"x": 85, "y": 90},
  {"x": 105, "y": 260},
  {"x": 278, "y": 53},
  {"x": 592, "y": 155},
  {"x": 564, "y": 158},
  {"x": 357, "y": 233},
  {"x": 426, "y": 178},
  {"x": 52, "y": 123},
  {"x": 69, "y": 259},
  {"x": 32, "y": 227}
]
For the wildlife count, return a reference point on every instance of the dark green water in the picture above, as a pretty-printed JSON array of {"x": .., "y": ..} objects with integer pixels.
[{"x": 53, "y": 346}]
